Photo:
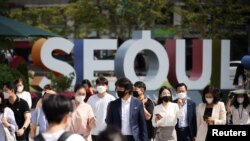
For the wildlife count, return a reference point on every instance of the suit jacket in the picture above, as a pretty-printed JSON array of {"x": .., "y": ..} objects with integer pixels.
[
  {"x": 191, "y": 118},
  {"x": 218, "y": 114},
  {"x": 136, "y": 118}
]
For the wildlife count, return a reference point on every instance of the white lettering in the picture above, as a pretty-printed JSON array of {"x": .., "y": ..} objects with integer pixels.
[
  {"x": 198, "y": 78},
  {"x": 214, "y": 132},
  {"x": 57, "y": 43}
]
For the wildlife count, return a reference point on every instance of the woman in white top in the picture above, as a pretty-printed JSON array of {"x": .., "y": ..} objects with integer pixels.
[
  {"x": 210, "y": 112},
  {"x": 21, "y": 93},
  {"x": 239, "y": 107},
  {"x": 7, "y": 119},
  {"x": 165, "y": 116}
]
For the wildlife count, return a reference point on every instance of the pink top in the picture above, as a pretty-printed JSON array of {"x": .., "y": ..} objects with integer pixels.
[{"x": 83, "y": 120}]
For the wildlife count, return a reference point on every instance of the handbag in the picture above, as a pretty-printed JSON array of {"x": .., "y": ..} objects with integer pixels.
[
  {"x": 9, "y": 136},
  {"x": 37, "y": 122}
]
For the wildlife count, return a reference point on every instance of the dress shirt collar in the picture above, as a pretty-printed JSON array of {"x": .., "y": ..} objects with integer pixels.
[{"x": 127, "y": 101}]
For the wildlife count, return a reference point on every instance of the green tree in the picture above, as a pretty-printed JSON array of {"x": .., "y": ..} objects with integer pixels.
[
  {"x": 52, "y": 19},
  {"x": 115, "y": 18},
  {"x": 105, "y": 17},
  {"x": 61, "y": 83},
  {"x": 9, "y": 74},
  {"x": 213, "y": 19}
]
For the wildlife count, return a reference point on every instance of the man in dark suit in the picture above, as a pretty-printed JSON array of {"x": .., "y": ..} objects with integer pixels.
[
  {"x": 127, "y": 112},
  {"x": 186, "y": 129}
]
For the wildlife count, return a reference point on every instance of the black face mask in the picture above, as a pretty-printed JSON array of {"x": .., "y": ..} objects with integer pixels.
[
  {"x": 135, "y": 94},
  {"x": 120, "y": 94},
  {"x": 166, "y": 98}
]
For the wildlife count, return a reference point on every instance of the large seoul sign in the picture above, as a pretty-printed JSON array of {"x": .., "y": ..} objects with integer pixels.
[{"x": 210, "y": 60}]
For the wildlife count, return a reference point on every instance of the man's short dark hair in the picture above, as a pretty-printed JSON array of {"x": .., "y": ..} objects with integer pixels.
[
  {"x": 55, "y": 107},
  {"x": 11, "y": 86},
  {"x": 140, "y": 84},
  {"x": 125, "y": 83},
  {"x": 180, "y": 85},
  {"x": 101, "y": 80}
]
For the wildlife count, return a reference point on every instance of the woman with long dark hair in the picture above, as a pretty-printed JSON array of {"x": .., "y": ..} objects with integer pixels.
[
  {"x": 240, "y": 108},
  {"x": 240, "y": 77},
  {"x": 165, "y": 116}
]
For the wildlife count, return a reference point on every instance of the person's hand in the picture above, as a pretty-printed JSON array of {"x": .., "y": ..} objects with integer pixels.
[
  {"x": 157, "y": 117},
  {"x": 180, "y": 102},
  {"x": 20, "y": 132},
  {"x": 5, "y": 122},
  {"x": 144, "y": 101},
  {"x": 210, "y": 121}
]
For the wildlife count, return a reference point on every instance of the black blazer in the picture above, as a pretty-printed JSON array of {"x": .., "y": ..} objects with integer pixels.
[
  {"x": 136, "y": 118},
  {"x": 191, "y": 117}
]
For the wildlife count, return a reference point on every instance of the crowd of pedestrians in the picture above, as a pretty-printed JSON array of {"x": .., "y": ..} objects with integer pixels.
[{"x": 96, "y": 115}]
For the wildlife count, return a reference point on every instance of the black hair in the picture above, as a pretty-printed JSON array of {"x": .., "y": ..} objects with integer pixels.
[
  {"x": 236, "y": 104},
  {"x": 125, "y": 83},
  {"x": 48, "y": 87},
  {"x": 11, "y": 85},
  {"x": 140, "y": 84},
  {"x": 3, "y": 103},
  {"x": 111, "y": 133},
  {"x": 86, "y": 81},
  {"x": 239, "y": 72},
  {"x": 77, "y": 87},
  {"x": 180, "y": 85},
  {"x": 101, "y": 80},
  {"x": 214, "y": 91},
  {"x": 55, "y": 107},
  {"x": 159, "y": 101},
  {"x": 19, "y": 80}
]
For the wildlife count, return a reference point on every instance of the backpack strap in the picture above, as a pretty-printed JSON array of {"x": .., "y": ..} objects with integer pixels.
[
  {"x": 39, "y": 137},
  {"x": 64, "y": 136}
]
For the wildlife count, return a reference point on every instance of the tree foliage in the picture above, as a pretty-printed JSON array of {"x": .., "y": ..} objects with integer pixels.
[
  {"x": 107, "y": 17},
  {"x": 118, "y": 18},
  {"x": 52, "y": 19},
  {"x": 61, "y": 83},
  {"x": 213, "y": 18},
  {"x": 9, "y": 74}
]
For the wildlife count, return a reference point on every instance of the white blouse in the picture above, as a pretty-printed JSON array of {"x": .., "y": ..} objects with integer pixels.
[
  {"x": 169, "y": 115},
  {"x": 240, "y": 115}
]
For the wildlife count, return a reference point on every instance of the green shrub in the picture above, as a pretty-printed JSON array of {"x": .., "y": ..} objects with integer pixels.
[
  {"x": 9, "y": 74},
  {"x": 61, "y": 83}
]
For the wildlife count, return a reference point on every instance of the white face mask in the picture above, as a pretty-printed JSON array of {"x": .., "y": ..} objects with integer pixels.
[
  {"x": 101, "y": 89},
  {"x": 209, "y": 100},
  {"x": 79, "y": 98},
  {"x": 182, "y": 95},
  {"x": 240, "y": 99},
  {"x": 20, "y": 89},
  {"x": 5, "y": 95}
]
